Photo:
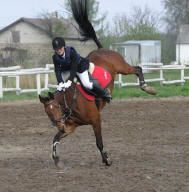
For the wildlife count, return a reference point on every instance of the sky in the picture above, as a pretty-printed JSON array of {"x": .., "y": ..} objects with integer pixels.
[{"x": 11, "y": 10}]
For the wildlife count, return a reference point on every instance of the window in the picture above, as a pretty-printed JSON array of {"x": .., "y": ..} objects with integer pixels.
[{"x": 16, "y": 36}]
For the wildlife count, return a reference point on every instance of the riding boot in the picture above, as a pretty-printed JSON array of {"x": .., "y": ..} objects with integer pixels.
[{"x": 101, "y": 92}]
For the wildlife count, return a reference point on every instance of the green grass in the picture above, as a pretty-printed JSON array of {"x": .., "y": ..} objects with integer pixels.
[
  {"x": 162, "y": 91},
  {"x": 11, "y": 96},
  {"x": 119, "y": 93}
]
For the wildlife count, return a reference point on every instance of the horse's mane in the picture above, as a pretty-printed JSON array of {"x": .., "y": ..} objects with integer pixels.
[
  {"x": 80, "y": 14},
  {"x": 58, "y": 95}
]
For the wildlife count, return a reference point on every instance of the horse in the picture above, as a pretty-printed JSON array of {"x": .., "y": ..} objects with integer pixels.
[{"x": 69, "y": 109}]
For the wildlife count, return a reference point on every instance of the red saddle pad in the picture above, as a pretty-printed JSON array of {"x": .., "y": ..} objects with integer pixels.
[{"x": 103, "y": 78}]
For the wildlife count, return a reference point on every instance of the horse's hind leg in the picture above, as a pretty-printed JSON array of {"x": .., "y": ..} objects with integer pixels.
[
  {"x": 126, "y": 69},
  {"x": 99, "y": 142}
]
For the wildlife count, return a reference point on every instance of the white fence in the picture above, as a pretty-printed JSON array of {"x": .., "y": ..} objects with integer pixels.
[
  {"x": 161, "y": 69},
  {"x": 16, "y": 72}
]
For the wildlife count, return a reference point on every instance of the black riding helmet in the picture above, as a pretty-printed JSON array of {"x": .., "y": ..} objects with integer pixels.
[{"x": 58, "y": 42}]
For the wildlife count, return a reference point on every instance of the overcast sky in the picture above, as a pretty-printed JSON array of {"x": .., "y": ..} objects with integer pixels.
[{"x": 11, "y": 10}]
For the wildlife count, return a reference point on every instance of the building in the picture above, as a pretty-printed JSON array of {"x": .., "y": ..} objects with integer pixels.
[
  {"x": 135, "y": 52},
  {"x": 27, "y": 42},
  {"x": 182, "y": 45}
]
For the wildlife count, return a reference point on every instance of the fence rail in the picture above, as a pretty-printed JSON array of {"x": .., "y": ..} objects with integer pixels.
[
  {"x": 16, "y": 72},
  {"x": 161, "y": 69}
]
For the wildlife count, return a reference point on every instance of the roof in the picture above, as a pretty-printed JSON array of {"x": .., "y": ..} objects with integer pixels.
[
  {"x": 36, "y": 22},
  {"x": 183, "y": 36},
  {"x": 40, "y": 24},
  {"x": 143, "y": 42}
]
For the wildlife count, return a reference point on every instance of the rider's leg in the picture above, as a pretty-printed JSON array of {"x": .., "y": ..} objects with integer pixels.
[
  {"x": 84, "y": 77},
  {"x": 94, "y": 86},
  {"x": 101, "y": 92}
]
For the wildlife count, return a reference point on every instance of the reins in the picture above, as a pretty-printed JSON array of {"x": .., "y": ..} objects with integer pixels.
[{"x": 67, "y": 111}]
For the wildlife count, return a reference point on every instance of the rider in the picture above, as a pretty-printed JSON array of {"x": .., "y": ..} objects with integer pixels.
[{"x": 66, "y": 58}]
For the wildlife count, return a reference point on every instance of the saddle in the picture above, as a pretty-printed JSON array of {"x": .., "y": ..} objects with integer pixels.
[{"x": 96, "y": 73}]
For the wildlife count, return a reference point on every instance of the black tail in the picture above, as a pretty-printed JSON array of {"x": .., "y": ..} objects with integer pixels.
[{"x": 79, "y": 10}]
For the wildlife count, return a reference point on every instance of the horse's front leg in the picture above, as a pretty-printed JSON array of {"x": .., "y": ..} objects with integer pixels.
[
  {"x": 99, "y": 142},
  {"x": 64, "y": 131},
  {"x": 61, "y": 134}
]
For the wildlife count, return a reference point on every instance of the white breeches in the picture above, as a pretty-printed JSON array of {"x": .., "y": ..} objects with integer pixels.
[{"x": 84, "y": 77}]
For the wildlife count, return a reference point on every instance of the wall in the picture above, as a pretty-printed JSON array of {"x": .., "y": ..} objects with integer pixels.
[
  {"x": 182, "y": 52},
  {"x": 28, "y": 34}
]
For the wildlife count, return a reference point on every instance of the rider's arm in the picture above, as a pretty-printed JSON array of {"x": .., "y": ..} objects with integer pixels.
[
  {"x": 57, "y": 69},
  {"x": 75, "y": 58}
]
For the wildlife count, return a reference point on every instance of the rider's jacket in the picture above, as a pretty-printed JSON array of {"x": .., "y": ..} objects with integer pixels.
[{"x": 71, "y": 61}]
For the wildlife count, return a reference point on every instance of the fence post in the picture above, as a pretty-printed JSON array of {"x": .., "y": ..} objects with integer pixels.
[
  {"x": 120, "y": 80},
  {"x": 46, "y": 81},
  {"x": 161, "y": 75},
  {"x": 47, "y": 77},
  {"x": 38, "y": 79},
  {"x": 18, "y": 85},
  {"x": 1, "y": 87},
  {"x": 182, "y": 75}
]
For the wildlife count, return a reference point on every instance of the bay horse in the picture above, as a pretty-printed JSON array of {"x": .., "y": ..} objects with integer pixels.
[{"x": 68, "y": 109}]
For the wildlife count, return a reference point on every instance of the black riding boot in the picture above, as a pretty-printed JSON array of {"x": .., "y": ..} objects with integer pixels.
[{"x": 101, "y": 92}]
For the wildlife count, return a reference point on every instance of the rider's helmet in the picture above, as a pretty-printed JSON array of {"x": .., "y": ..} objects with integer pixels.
[{"x": 58, "y": 42}]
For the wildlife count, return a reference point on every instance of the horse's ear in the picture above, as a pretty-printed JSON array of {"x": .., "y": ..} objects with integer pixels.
[
  {"x": 51, "y": 95},
  {"x": 43, "y": 99}
]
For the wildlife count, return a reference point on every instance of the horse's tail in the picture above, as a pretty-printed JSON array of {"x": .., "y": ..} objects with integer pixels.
[{"x": 80, "y": 14}]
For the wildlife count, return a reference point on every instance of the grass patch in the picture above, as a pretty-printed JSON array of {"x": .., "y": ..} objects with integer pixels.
[
  {"x": 11, "y": 96},
  {"x": 162, "y": 91},
  {"x": 118, "y": 93}
]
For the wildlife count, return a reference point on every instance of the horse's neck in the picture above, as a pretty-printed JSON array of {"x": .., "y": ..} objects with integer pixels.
[
  {"x": 58, "y": 96},
  {"x": 65, "y": 97}
]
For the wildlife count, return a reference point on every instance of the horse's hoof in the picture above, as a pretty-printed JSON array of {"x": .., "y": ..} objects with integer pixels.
[
  {"x": 148, "y": 89},
  {"x": 105, "y": 159},
  {"x": 107, "y": 162}
]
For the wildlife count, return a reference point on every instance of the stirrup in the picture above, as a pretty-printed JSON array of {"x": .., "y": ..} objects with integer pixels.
[{"x": 107, "y": 97}]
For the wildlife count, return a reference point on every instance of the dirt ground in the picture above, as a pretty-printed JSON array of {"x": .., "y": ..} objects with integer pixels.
[{"x": 148, "y": 141}]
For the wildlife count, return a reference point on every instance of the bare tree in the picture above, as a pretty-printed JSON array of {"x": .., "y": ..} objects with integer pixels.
[
  {"x": 177, "y": 13},
  {"x": 141, "y": 24},
  {"x": 53, "y": 24},
  {"x": 121, "y": 25}
]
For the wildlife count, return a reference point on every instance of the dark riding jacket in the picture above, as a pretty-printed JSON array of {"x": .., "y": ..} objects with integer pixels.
[{"x": 72, "y": 62}]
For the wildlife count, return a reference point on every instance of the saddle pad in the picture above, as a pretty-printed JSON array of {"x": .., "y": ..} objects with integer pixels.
[{"x": 103, "y": 78}]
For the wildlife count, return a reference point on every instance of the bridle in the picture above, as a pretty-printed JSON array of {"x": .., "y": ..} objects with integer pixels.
[{"x": 66, "y": 109}]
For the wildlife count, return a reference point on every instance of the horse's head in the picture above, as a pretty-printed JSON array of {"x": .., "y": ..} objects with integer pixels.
[{"x": 53, "y": 110}]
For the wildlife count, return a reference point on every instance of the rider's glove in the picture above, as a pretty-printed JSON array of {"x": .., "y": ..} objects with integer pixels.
[
  {"x": 60, "y": 86},
  {"x": 67, "y": 84}
]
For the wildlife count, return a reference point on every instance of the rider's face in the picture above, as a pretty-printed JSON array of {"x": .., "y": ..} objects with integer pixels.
[{"x": 60, "y": 51}]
